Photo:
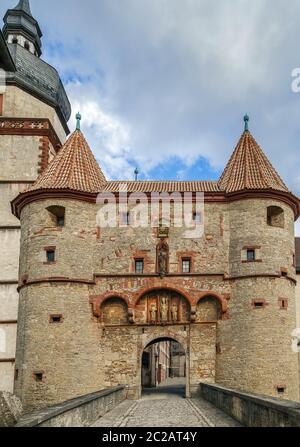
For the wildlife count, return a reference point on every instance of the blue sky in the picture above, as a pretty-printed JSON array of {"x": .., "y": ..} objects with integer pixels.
[{"x": 164, "y": 84}]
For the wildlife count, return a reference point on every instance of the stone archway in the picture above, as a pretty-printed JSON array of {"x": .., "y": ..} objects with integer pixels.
[{"x": 161, "y": 355}]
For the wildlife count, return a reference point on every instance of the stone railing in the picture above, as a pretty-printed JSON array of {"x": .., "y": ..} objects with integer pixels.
[
  {"x": 79, "y": 412},
  {"x": 252, "y": 410}
]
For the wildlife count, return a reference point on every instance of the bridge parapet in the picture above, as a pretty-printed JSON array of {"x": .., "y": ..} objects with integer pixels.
[
  {"x": 252, "y": 410},
  {"x": 79, "y": 412}
]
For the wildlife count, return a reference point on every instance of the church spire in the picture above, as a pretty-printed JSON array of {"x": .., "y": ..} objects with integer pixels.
[
  {"x": 21, "y": 28},
  {"x": 24, "y": 6}
]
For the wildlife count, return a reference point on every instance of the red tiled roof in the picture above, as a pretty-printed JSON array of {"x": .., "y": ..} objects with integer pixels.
[
  {"x": 162, "y": 186},
  {"x": 74, "y": 168},
  {"x": 249, "y": 168}
]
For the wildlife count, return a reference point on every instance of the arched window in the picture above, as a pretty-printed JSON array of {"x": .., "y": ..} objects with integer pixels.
[
  {"x": 15, "y": 39},
  {"x": 275, "y": 216},
  {"x": 57, "y": 215},
  {"x": 26, "y": 45},
  {"x": 208, "y": 309},
  {"x": 114, "y": 311}
]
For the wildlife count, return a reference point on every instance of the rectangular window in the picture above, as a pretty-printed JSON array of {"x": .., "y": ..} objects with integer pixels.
[
  {"x": 283, "y": 303},
  {"x": 50, "y": 254},
  {"x": 186, "y": 265},
  {"x": 250, "y": 255},
  {"x": 56, "y": 318},
  {"x": 1, "y": 105},
  {"x": 280, "y": 389},
  {"x": 139, "y": 266},
  {"x": 38, "y": 376},
  {"x": 258, "y": 304},
  {"x": 61, "y": 221}
]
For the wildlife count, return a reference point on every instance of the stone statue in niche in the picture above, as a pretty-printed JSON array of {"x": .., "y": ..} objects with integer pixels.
[
  {"x": 174, "y": 311},
  {"x": 163, "y": 261},
  {"x": 164, "y": 309},
  {"x": 153, "y": 312}
]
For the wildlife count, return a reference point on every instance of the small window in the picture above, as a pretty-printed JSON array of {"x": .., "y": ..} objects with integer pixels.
[
  {"x": 50, "y": 255},
  {"x": 258, "y": 304},
  {"x": 15, "y": 40},
  {"x": 61, "y": 221},
  {"x": 38, "y": 376},
  {"x": 283, "y": 303},
  {"x": 56, "y": 319},
  {"x": 281, "y": 389},
  {"x": 250, "y": 255},
  {"x": 57, "y": 214},
  {"x": 186, "y": 265},
  {"x": 284, "y": 272},
  {"x": 139, "y": 266},
  {"x": 275, "y": 216},
  {"x": 16, "y": 374},
  {"x": 26, "y": 45}
]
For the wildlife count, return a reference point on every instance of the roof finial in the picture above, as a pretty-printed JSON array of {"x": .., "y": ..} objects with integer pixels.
[
  {"x": 246, "y": 119},
  {"x": 78, "y": 119},
  {"x": 136, "y": 173}
]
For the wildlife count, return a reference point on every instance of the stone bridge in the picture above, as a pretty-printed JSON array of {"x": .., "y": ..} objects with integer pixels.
[{"x": 166, "y": 406}]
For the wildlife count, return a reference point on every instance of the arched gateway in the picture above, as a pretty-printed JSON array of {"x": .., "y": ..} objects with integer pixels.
[{"x": 131, "y": 325}]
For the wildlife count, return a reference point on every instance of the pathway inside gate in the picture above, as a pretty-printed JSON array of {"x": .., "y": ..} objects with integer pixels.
[{"x": 165, "y": 406}]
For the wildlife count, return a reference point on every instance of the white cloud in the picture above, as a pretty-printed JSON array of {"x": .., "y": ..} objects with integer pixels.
[{"x": 170, "y": 78}]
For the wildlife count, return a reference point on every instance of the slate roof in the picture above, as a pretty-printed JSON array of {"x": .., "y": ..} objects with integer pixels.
[
  {"x": 40, "y": 78},
  {"x": 23, "y": 5},
  {"x": 74, "y": 168},
  {"x": 6, "y": 62},
  {"x": 249, "y": 168}
]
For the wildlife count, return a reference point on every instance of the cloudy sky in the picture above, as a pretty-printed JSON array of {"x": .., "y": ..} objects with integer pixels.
[{"x": 163, "y": 84}]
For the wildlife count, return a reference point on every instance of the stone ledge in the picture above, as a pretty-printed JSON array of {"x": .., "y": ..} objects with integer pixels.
[
  {"x": 252, "y": 410},
  {"x": 10, "y": 409},
  {"x": 46, "y": 417}
]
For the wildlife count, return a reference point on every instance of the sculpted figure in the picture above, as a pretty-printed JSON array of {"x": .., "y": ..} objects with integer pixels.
[
  {"x": 162, "y": 258},
  {"x": 174, "y": 312},
  {"x": 153, "y": 312},
  {"x": 164, "y": 309}
]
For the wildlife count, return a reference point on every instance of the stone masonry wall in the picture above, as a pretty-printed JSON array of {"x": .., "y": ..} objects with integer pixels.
[
  {"x": 245, "y": 347},
  {"x": 21, "y": 158}
]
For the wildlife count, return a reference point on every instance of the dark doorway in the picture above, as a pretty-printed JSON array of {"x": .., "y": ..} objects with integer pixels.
[{"x": 163, "y": 369}]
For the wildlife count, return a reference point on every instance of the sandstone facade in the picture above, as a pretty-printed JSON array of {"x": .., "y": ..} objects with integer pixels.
[
  {"x": 31, "y": 131},
  {"x": 104, "y": 305}
]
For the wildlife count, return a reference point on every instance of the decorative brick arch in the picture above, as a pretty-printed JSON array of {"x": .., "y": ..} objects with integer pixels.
[
  {"x": 97, "y": 301},
  {"x": 221, "y": 299},
  {"x": 141, "y": 293}
]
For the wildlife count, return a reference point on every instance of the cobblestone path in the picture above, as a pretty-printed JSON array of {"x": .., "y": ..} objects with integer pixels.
[{"x": 167, "y": 408}]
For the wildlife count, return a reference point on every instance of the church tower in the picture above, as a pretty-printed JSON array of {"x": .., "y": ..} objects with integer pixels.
[{"x": 34, "y": 111}]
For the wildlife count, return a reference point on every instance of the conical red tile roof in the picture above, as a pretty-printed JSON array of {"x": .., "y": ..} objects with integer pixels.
[
  {"x": 74, "y": 168},
  {"x": 249, "y": 169}
]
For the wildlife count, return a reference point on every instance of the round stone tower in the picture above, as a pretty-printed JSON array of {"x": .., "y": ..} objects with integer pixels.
[
  {"x": 256, "y": 341},
  {"x": 58, "y": 222}
]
